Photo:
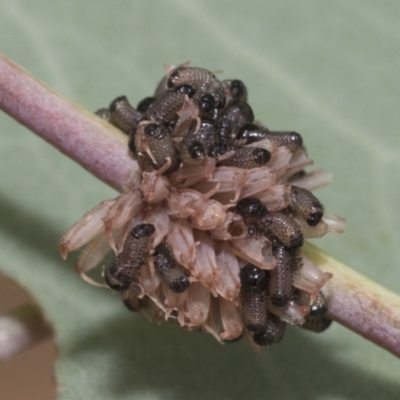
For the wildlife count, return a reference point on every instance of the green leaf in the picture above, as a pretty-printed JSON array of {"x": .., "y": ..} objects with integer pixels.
[{"x": 326, "y": 70}]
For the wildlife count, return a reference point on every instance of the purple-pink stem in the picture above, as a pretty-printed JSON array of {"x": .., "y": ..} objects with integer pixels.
[
  {"x": 354, "y": 301},
  {"x": 359, "y": 303},
  {"x": 94, "y": 144}
]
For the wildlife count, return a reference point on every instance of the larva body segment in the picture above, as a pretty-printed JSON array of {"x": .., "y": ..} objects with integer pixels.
[
  {"x": 283, "y": 228},
  {"x": 280, "y": 284}
]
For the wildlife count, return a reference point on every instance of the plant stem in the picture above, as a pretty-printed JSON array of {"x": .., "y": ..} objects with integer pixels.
[
  {"x": 359, "y": 303},
  {"x": 354, "y": 301},
  {"x": 94, "y": 144}
]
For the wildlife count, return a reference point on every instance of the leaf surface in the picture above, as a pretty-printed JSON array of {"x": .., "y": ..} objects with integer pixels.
[{"x": 327, "y": 70}]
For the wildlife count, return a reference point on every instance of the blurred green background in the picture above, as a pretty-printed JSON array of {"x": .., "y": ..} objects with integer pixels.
[{"x": 329, "y": 70}]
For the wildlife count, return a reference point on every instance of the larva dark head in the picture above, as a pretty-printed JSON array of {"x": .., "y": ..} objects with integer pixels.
[
  {"x": 251, "y": 207},
  {"x": 196, "y": 150},
  {"x": 263, "y": 338},
  {"x": 114, "y": 104},
  {"x": 180, "y": 284},
  {"x": 155, "y": 131},
  {"x": 142, "y": 231},
  {"x": 272, "y": 333},
  {"x": 163, "y": 249},
  {"x": 261, "y": 156},
  {"x": 250, "y": 133},
  {"x": 237, "y": 89},
  {"x": 206, "y": 103},
  {"x": 118, "y": 282},
  {"x": 320, "y": 307},
  {"x": 315, "y": 216},
  {"x": 186, "y": 89},
  {"x": 219, "y": 149},
  {"x": 144, "y": 104},
  {"x": 253, "y": 277},
  {"x": 296, "y": 139}
]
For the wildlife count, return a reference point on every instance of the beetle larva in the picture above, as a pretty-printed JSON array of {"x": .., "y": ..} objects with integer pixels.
[
  {"x": 251, "y": 133},
  {"x": 316, "y": 320},
  {"x": 169, "y": 270},
  {"x": 275, "y": 225},
  {"x": 123, "y": 115},
  {"x": 126, "y": 264},
  {"x": 253, "y": 297},
  {"x": 306, "y": 205}
]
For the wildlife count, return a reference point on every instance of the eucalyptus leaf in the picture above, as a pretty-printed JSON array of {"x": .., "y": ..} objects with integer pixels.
[{"x": 328, "y": 70}]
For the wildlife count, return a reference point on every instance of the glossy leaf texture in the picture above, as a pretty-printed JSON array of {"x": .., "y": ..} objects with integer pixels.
[{"x": 327, "y": 70}]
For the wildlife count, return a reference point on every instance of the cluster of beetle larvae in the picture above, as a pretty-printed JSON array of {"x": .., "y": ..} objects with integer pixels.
[{"x": 212, "y": 237}]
